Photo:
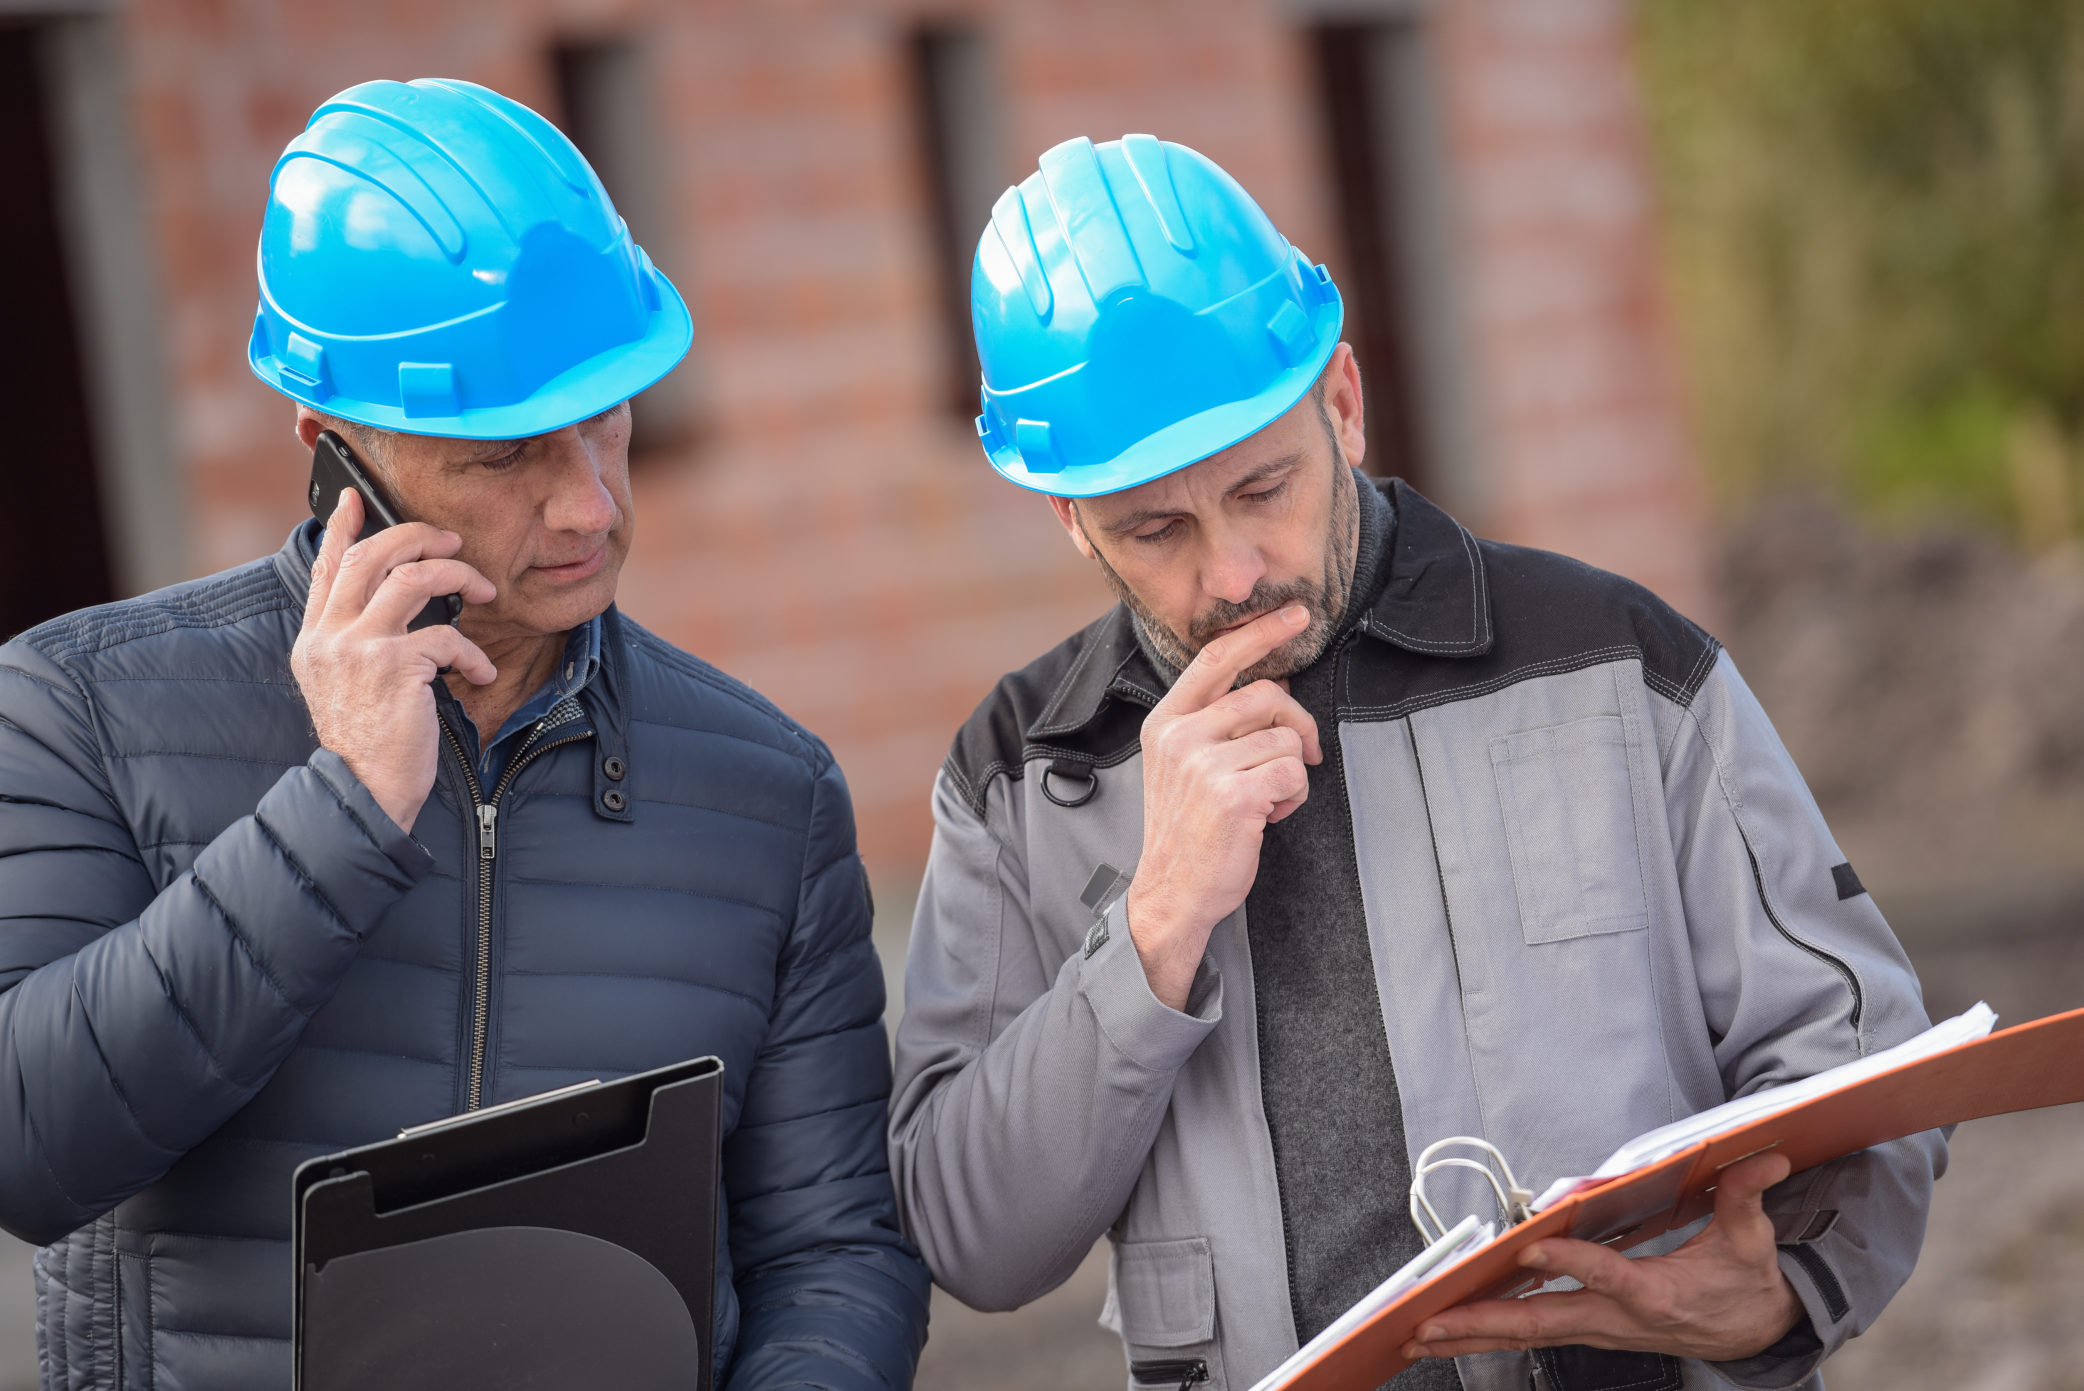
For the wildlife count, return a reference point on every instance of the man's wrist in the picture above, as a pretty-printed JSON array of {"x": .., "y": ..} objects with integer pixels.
[{"x": 1157, "y": 930}]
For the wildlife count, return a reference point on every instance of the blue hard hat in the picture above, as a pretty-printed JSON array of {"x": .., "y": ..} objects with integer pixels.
[
  {"x": 440, "y": 260},
  {"x": 1135, "y": 312}
]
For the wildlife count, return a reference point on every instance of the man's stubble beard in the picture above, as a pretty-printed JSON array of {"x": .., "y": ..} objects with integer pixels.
[{"x": 1325, "y": 598}]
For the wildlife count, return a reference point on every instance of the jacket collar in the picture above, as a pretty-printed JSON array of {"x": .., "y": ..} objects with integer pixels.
[{"x": 1435, "y": 601}]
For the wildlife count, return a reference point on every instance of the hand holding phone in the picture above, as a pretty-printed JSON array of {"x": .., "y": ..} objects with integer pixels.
[
  {"x": 334, "y": 468},
  {"x": 367, "y": 679}
]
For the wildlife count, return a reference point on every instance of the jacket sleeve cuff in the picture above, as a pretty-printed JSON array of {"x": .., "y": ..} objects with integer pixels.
[
  {"x": 1792, "y": 1360},
  {"x": 412, "y": 859},
  {"x": 1141, "y": 1027}
]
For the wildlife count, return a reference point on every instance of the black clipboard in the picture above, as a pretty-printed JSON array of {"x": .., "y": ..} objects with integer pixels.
[{"x": 561, "y": 1241}]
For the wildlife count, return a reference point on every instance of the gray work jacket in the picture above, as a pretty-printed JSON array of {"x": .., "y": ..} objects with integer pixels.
[{"x": 1599, "y": 896}]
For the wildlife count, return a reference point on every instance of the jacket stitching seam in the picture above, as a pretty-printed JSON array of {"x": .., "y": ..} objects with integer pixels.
[
  {"x": 1736, "y": 812},
  {"x": 390, "y": 1053},
  {"x": 666, "y": 655},
  {"x": 340, "y": 796},
  {"x": 108, "y": 1071},
  {"x": 677, "y": 802},
  {"x": 284, "y": 764},
  {"x": 1479, "y": 629},
  {"x": 245, "y": 949},
  {"x": 744, "y": 1125},
  {"x": 181, "y": 1013},
  {"x": 304, "y": 877},
  {"x": 43, "y": 1152},
  {"x": 819, "y": 1182},
  {"x": 777, "y": 914},
  {"x": 709, "y": 732},
  {"x": 1700, "y": 667},
  {"x": 762, "y": 1005},
  {"x": 1552, "y": 666},
  {"x": 1063, "y": 688},
  {"x": 1631, "y": 727},
  {"x": 980, "y": 1028}
]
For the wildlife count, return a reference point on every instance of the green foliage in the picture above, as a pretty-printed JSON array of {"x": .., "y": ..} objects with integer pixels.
[{"x": 1874, "y": 218}]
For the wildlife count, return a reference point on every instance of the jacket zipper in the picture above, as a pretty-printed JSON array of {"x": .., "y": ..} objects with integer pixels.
[
  {"x": 487, "y": 813},
  {"x": 1180, "y": 1374}
]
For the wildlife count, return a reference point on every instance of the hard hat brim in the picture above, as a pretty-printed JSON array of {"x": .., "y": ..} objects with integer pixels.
[
  {"x": 1182, "y": 444},
  {"x": 578, "y": 393}
]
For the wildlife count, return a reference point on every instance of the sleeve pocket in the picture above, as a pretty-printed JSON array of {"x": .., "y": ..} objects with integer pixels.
[{"x": 1570, "y": 829}]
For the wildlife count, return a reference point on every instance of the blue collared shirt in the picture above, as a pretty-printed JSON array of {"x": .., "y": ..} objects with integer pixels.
[{"x": 582, "y": 658}]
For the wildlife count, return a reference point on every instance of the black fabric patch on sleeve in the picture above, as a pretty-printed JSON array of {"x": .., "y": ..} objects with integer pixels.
[
  {"x": 1849, "y": 885},
  {"x": 1824, "y": 1278}
]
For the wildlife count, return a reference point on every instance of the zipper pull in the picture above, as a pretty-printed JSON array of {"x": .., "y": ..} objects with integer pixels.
[{"x": 488, "y": 831}]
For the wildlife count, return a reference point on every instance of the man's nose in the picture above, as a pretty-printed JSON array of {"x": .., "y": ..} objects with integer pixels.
[
  {"x": 579, "y": 499},
  {"x": 1233, "y": 571}
]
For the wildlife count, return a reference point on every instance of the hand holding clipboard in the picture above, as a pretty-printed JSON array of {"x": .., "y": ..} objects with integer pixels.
[{"x": 1666, "y": 1179}]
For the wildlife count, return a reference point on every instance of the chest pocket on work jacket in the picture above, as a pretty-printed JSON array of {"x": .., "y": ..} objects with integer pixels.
[{"x": 1570, "y": 829}]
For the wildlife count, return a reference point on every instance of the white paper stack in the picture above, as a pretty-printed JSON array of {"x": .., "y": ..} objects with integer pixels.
[{"x": 1666, "y": 1141}]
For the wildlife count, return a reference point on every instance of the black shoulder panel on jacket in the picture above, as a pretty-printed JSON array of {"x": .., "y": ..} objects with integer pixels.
[
  {"x": 1074, "y": 702},
  {"x": 1550, "y": 614}
]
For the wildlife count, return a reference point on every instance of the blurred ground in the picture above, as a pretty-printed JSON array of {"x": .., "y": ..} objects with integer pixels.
[{"x": 1932, "y": 690}]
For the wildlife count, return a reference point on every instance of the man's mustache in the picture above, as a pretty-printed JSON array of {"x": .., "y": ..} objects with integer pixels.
[{"x": 1210, "y": 623}]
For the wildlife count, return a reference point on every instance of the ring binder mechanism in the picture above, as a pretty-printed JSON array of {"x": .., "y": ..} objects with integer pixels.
[
  {"x": 1661, "y": 1181},
  {"x": 1513, "y": 1200}
]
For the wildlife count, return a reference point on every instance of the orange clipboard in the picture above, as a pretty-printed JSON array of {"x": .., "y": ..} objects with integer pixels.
[{"x": 2023, "y": 1068}]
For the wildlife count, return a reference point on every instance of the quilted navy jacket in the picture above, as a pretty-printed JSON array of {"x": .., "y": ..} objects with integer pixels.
[{"x": 218, "y": 958}]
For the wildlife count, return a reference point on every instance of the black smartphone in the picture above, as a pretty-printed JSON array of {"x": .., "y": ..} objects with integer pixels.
[{"x": 335, "y": 468}]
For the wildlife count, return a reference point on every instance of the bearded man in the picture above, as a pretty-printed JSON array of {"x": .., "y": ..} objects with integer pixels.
[{"x": 1345, "y": 833}]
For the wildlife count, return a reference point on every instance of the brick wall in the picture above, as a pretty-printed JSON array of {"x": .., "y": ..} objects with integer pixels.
[{"x": 834, "y": 537}]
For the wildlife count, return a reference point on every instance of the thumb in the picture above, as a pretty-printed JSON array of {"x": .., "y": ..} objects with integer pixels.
[{"x": 1740, "y": 1189}]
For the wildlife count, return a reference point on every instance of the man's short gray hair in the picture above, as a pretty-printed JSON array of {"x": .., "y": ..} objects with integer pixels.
[{"x": 371, "y": 445}]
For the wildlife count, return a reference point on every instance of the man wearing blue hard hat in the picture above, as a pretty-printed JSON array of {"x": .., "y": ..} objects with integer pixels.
[
  {"x": 285, "y": 871},
  {"x": 1343, "y": 834}
]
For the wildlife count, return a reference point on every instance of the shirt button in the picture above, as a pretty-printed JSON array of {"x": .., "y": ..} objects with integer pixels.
[
  {"x": 613, "y": 800},
  {"x": 613, "y": 768}
]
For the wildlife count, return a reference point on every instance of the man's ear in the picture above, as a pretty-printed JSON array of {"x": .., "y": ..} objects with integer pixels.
[
  {"x": 1067, "y": 512},
  {"x": 308, "y": 426},
  {"x": 1343, "y": 403}
]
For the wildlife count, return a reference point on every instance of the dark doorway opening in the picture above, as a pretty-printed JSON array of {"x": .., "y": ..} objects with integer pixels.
[
  {"x": 1355, "y": 68},
  {"x": 605, "y": 98},
  {"x": 53, "y": 545},
  {"x": 958, "y": 134}
]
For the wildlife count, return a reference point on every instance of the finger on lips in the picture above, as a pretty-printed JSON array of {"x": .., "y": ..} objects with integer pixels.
[{"x": 1217, "y": 666}]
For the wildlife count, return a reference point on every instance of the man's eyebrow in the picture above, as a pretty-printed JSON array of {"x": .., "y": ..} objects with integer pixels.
[{"x": 1126, "y": 524}]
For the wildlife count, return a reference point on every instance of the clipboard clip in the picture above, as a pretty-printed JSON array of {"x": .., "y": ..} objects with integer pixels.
[{"x": 1513, "y": 1200}]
